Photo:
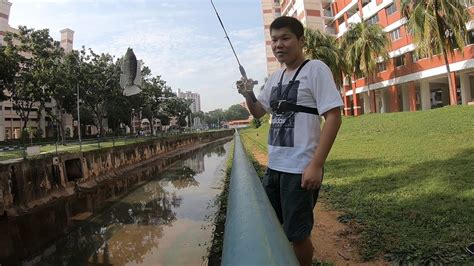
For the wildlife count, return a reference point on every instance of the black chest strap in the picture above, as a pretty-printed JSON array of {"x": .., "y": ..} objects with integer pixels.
[{"x": 283, "y": 105}]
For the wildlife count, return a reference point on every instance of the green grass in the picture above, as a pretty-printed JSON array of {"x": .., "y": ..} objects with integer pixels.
[
  {"x": 51, "y": 148},
  {"x": 88, "y": 145},
  {"x": 7, "y": 155},
  {"x": 408, "y": 179},
  {"x": 215, "y": 250}
]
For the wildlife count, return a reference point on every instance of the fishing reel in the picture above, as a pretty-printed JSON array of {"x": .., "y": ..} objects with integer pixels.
[{"x": 245, "y": 87}]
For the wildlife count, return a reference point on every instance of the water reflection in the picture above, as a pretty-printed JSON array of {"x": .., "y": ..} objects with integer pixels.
[
  {"x": 159, "y": 223},
  {"x": 184, "y": 177}
]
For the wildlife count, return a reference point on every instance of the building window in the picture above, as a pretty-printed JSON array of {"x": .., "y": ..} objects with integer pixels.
[
  {"x": 471, "y": 36},
  {"x": 392, "y": 8},
  {"x": 395, "y": 34},
  {"x": 373, "y": 20},
  {"x": 8, "y": 108},
  {"x": 381, "y": 67},
  {"x": 399, "y": 60},
  {"x": 351, "y": 12}
]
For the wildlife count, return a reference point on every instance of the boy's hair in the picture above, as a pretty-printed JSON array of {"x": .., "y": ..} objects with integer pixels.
[{"x": 291, "y": 23}]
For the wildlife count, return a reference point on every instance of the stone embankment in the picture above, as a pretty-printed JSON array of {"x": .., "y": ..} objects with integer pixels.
[{"x": 25, "y": 182}]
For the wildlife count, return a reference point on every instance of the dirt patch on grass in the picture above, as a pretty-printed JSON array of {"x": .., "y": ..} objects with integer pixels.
[{"x": 334, "y": 242}]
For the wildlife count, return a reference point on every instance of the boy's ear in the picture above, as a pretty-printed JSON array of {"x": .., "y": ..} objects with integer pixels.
[{"x": 302, "y": 41}]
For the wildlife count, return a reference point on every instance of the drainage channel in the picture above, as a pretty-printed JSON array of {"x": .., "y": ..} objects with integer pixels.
[{"x": 165, "y": 221}]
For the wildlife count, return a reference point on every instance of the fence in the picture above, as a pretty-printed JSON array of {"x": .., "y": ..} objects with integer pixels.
[{"x": 25, "y": 150}]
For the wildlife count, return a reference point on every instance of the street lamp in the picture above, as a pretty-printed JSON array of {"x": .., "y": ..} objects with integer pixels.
[
  {"x": 78, "y": 119},
  {"x": 132, "y": 122}
]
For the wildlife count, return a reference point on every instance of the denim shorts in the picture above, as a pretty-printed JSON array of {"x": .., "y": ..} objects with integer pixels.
[{"x": 293, "y": 204}]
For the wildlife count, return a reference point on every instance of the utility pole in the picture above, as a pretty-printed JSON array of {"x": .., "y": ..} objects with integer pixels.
[{"x": 78, "y": 119}]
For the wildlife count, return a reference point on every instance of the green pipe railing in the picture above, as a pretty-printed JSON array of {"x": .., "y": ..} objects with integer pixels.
[{"x": 253, "y": 235}]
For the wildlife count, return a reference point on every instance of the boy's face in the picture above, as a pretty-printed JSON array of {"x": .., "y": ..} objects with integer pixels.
[{"x": 286, "y": 47}]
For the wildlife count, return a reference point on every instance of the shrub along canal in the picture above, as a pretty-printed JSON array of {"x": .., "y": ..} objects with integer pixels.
[{"x": 165, "y": 221}]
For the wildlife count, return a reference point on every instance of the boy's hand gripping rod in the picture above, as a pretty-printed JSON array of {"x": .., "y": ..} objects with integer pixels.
[{"x": 241, "y": 68}]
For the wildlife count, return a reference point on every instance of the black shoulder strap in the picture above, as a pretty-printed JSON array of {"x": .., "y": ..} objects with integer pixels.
[
  {"x": 285, "y": 93},
  {"x": 299, "y": 69},
  {"x": 290, "y": 106}
]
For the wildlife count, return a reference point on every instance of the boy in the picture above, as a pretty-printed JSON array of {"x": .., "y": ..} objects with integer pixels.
[{"x": 297, "y": 148}]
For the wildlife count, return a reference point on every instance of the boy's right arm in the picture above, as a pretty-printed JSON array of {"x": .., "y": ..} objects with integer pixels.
[{"x": 255, "y": 108}]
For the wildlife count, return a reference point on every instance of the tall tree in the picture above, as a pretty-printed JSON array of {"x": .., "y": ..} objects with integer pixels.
[
  {"x": 99, "y": 82},
  {"x": 364, "y": 44},
  {"x": 8, "y": 69},
  {"x": 324, "y": 47},
  {"x": 156, "y": 94},
  {"x": 236, "y": 112},
  {"x": 214, "y": 118},
  {"x": 119, "y": 110},
  {"x": 59, "y": 81},
  {"x": 178, "y": 107},
  {"x": 438, "y": 26},
  {"x": 33, "y": 51}
]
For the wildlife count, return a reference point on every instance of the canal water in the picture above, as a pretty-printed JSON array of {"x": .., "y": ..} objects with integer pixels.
[{"x": 166, "y": 221}]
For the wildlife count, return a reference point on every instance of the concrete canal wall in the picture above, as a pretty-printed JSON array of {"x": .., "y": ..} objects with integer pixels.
[{"x": 30, "y": 183}]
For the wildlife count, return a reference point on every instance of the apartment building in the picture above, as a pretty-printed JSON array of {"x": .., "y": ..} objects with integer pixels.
[
  {"x": 38, "y": 121},
  {"x": 195, "y": 97},
  {"x": 405, "y": 82}
]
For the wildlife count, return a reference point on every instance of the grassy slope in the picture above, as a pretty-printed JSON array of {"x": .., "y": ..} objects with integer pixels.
[{"x": 408, "y": 178}]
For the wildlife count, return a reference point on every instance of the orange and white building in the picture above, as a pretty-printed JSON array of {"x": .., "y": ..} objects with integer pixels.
[{"x": 405, "y": 82}]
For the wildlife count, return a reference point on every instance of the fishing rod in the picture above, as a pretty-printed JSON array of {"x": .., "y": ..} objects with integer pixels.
[{"x": 241, "y": 68}]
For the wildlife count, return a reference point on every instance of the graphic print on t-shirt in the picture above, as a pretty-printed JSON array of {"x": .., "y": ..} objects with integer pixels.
[{"x": 282, "y": 130}]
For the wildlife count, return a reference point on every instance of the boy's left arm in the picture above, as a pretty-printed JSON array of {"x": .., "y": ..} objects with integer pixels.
[{"x": 313, "y": 173}]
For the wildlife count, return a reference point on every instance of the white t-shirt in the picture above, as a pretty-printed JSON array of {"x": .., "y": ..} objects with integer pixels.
[{"x": 294, "y": 136}]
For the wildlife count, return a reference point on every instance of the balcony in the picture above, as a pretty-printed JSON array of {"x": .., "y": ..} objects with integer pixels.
[
  {"x": 355, "y": 18},
  {"x": 328, "y": 15},
  {"x": 351, "y": 6},
  {"x": 327, "y": 3}
]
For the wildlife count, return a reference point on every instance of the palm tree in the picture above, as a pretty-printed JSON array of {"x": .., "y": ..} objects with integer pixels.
[
  {"x": 437, "y": 26},
  {"x": 364, "y": 46},
  {"x": 324, "y": 47}
]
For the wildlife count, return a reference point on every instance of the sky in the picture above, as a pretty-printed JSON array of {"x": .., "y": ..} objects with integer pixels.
[{"x": 180, "y": 40}]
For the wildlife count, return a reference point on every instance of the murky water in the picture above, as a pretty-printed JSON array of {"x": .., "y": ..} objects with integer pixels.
[{"x": 166, "y": 221}]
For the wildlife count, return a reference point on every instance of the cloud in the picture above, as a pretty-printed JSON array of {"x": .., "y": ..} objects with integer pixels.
[
  {"x": 246, "y": 33},
  {"x": 179, "y": 40},
  {"x": 195, "y": 62},
  {"x": 47, "y": 1}
]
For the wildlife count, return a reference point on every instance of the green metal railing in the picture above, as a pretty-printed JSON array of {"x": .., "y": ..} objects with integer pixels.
[{"x": 253, "y": 235}]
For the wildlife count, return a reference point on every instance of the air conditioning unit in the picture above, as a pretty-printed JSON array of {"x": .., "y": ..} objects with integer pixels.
[{"x": 56, "y": 160}]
